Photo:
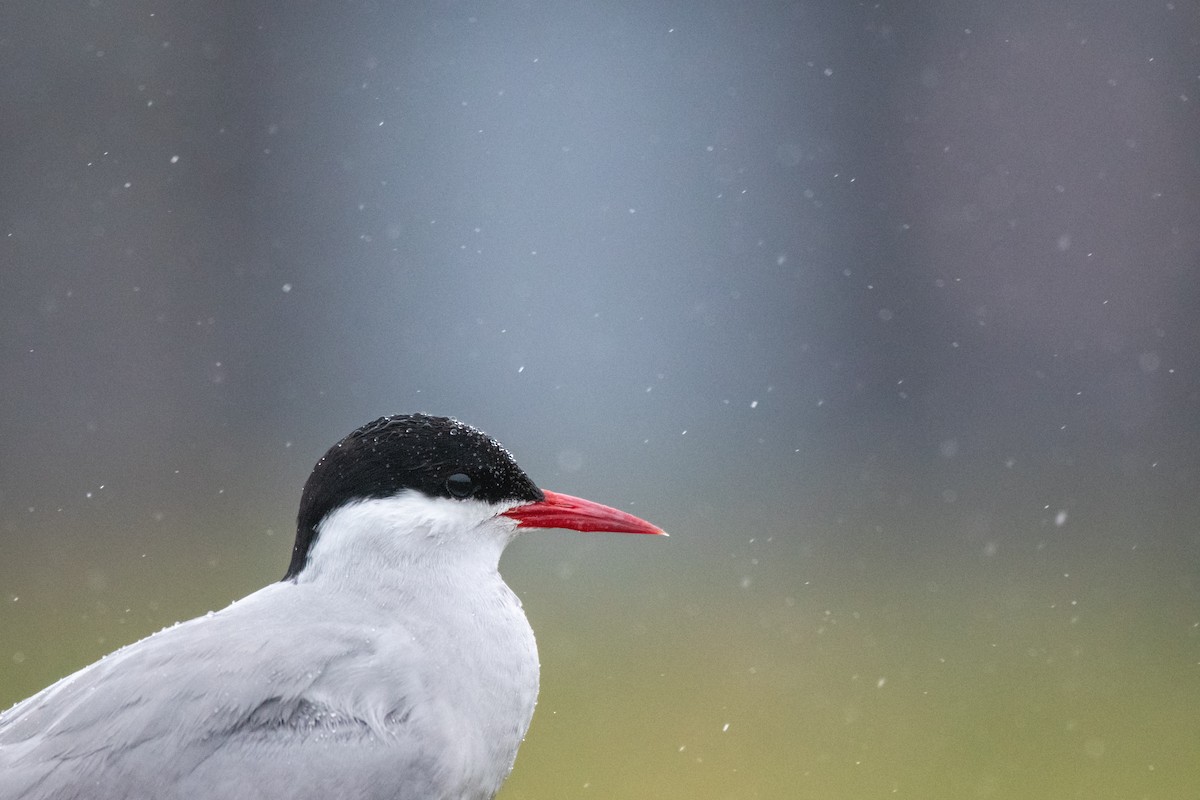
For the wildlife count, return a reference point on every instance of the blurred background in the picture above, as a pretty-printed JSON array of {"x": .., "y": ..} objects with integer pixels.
[{"x": 887, "y": 311}]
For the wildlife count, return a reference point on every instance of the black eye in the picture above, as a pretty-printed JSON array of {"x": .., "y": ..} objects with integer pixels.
[{"x": 460, "y": 484}]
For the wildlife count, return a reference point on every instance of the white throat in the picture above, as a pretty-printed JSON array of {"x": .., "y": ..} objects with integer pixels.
[{"x": 421, "y": 537}]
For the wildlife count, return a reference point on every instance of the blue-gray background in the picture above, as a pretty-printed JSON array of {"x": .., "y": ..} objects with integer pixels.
[{"x": 887, "y": 311}]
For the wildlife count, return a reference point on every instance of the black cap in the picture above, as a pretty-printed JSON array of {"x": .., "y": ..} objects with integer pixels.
[{"x": 437, "y": 456}]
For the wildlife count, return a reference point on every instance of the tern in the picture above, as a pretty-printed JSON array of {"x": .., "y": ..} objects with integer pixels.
[{"x": 391, "y": 661}]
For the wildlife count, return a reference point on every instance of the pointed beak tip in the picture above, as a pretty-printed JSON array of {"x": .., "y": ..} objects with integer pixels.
[{"x": 575, "y": 513}]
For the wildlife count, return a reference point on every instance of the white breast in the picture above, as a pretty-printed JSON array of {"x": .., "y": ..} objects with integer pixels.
[{"x": 426, "y": 569}]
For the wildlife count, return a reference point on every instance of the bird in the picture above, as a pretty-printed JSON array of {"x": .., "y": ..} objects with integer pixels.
[{"x": 390, "y": 661}]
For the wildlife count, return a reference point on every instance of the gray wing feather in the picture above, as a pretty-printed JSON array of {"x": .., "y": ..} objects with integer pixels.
[{"x": 183, "y": 714}]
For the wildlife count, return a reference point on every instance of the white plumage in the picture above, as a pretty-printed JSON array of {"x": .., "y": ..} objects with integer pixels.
[{"x": 393, "y": 662}]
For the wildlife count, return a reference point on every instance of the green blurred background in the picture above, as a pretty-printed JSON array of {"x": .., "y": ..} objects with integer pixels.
[{"x": 887, "y": 312}]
